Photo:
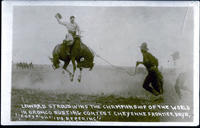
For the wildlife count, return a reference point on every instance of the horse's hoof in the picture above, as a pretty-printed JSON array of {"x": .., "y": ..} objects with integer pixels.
[{"x": 71, "y": 79}]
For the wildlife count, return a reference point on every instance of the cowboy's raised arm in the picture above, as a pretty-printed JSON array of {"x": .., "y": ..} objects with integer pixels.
[{"x": 60, "y": 21}]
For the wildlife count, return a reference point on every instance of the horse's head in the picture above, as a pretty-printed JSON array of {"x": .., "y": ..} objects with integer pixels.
[{"x": 55, "y": 62}]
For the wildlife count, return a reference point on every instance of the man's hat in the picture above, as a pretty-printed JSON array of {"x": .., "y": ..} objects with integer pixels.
[
  {"x": 72, "y": 17},
  {"x": 144, "y": 46}
]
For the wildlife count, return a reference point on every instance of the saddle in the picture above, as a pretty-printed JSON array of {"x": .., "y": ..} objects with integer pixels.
[
  {"x": 73, "y": 33},
  {"x": 67, "y": 45}
]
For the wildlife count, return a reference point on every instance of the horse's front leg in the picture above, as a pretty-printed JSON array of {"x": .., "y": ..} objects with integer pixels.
[
  {"x": 79, "y": 77},
  {"x": 74, "y": 67},
  {"x": 55, "y": 61}
]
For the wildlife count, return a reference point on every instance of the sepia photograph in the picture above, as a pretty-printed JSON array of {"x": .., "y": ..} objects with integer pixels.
[{"x": 100, "y": 63}]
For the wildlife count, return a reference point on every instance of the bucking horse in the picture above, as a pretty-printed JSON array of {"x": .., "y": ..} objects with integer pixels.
[{"x": 80, "y": 55}]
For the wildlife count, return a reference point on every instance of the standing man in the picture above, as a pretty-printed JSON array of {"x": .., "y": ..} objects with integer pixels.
[
  {"x": 73, "y": 29},
  {"x": 154, "y": 77}
]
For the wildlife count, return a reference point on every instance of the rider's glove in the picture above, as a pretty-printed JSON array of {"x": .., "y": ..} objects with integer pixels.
[{"x": 58, "y": 16}]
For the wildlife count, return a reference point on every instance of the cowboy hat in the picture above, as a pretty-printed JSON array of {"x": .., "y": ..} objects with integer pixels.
[{"x": 144, "y": 46}]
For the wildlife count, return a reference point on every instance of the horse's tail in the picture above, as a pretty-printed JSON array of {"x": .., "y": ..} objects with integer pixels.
[
  {"x": 91, "y": 50},
  {"x": 51, "y": 59}
]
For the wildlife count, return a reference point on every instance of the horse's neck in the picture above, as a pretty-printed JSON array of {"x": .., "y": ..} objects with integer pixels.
[{"x": 77, "y": 43}]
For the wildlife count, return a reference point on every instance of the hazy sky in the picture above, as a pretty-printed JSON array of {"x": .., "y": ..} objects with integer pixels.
[{"x": 115, "y": 33}]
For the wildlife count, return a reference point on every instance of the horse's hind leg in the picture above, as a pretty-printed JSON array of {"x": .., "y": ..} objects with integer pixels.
[
  {"x": 79, "y": 77},
  {"x": 65, "y": 68},
  {"x": 74, "y": 67},
  {"x": 84, "y": 64}
]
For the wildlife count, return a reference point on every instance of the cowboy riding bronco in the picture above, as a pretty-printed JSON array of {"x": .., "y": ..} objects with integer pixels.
[{"x": 72, "y": 49}]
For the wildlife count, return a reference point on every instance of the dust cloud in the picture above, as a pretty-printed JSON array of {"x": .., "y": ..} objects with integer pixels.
[{"x": 102, "y": 80}]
